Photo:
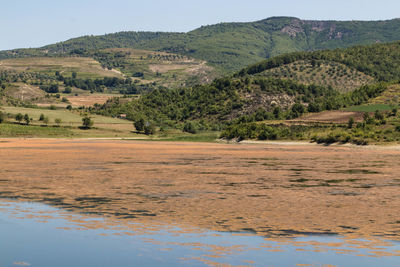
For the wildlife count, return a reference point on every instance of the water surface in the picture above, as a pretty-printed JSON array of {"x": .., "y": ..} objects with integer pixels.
[{"x": 34, "y": 234}]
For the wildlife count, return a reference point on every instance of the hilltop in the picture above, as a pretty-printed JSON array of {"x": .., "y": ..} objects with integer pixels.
[{"x": 232, "y": 46}]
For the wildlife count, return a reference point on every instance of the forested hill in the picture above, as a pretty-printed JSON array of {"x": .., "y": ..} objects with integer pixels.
[
  {"x": 251, "y": 92},
  {"x": 232, "y": 46},
  {"x": 381, "y": 61}
]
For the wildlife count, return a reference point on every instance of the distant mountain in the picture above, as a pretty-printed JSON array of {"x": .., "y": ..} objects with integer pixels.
[{"x": 232, "y": 46}]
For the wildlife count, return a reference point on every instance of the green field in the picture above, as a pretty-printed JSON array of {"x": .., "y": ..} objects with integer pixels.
[
  {"x": 67, "y": 117},
  {"x": 85, "y": 67},
  {"x": 71, "y": 121},
  {"x": 16, "y": 130},
  {"x": 371, "y": 108}
]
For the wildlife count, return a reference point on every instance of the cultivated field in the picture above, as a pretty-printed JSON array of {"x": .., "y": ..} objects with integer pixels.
[
  {"x": 70, "y": 123},
  {"x": 86, "y": 67},
  {"x": 335, "y": 116},
  {"x": 271, "y": 190},
  {"x": 337, "y": 75},
  {"x": 88, "y": 100},
  {"x": 167, "y": 69}
]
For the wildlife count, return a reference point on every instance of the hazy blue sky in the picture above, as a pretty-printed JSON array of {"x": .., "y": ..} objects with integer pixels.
[{"x": 33, "y": 23}]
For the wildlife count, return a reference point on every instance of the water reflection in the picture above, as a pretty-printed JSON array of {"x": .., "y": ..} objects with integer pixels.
[{"x": 34, "y": 234}]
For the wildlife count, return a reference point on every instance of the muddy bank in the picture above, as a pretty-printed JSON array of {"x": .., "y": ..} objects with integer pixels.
[{"x": 269, "y": 189}]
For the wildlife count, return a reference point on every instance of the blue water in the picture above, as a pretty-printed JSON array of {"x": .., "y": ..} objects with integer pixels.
[{"x": 29, "y": 239}]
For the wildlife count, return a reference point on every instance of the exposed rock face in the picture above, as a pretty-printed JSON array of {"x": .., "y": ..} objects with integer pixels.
[
  {"x": 298, "y": 26},
  {"x": 294, "y": 28}
]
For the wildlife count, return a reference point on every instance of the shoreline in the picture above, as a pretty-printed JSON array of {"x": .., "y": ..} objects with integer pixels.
[{"x": 393, "y": 146}]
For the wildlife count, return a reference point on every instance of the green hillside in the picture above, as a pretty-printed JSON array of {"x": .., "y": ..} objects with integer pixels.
[
  {"x": 380, "y": 61},
  {"x": 232, "y": 46},
  {"x": 252, "y": 95}
]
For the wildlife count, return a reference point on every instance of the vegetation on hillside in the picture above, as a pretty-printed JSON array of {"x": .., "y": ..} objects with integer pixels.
[
  {"x": 380, "y": 61},
  {"x": 379, "y": 127},
  {"x": 325, "y": 73},
  {"x": 232, "y": 46}
]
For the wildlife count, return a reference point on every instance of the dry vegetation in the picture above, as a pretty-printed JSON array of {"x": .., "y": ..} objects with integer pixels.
[{"x": 333, "y": 116}]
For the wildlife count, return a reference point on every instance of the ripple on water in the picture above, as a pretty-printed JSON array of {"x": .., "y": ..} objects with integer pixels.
[{"x": 35, "y": 234}]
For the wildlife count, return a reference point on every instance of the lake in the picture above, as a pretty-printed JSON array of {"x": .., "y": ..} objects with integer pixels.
[
  {"x": 34, "y": 234},
  {"x": 136, "y": 203}
]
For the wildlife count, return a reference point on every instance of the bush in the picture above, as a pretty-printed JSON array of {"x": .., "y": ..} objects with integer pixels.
[
  {"x": 2, "y": 117},
  {"x": 149, "y": 129},
  {"x": 58, "y": 121},
  {"x": 27, "y": 119},
  {"x": 67, "y": 90},
  {"x": 87, "y": 122},
  {"x": 46, "y": 120},
  {"x": 139, "y": 125},
  {"x": 189, "y": 128},
  {"x": 19, "y": 117}
]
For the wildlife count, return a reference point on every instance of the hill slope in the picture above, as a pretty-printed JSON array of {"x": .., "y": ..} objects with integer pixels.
[
  {"x": 252, "y": 93},
  {"x": 233, "y": 46}
]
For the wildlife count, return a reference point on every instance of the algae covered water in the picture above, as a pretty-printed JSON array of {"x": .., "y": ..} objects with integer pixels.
[{"x": 34, "y": 234}]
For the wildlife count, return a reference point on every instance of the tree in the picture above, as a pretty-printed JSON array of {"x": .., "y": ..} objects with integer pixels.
[
  {"x": 189, "y": 128},
  {"x": 58, "y": 121},
  {"x": 298, "y": 109},
  {"x": 27, "y": 119},
  {"x": 46, "y": 120},
  {"x": 2, "y": 117},
  {"x": 350, "y": 123},
  {"x": 149, "y": 128},
  {"x": 139, "y": 125},
  {"x": 74, "y": 75},
  {"x": 41, "y": 118},
  {"x": 19, "y": 117},
  {"x": 378, "y": 115},
  {"x": 87, "y": 122}
]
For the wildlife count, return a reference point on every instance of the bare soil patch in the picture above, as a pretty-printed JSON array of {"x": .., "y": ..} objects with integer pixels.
[
  {"x": 88, "y": 100},
  {"x": 335, "y": 116},
  {"x": 271, "y": 190}
]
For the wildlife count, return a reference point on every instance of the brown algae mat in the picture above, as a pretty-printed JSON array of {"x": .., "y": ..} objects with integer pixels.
[{"x": 271, "y": 190}]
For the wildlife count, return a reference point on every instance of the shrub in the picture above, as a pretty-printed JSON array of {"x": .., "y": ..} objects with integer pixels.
[
  {"x": 19, "y": 117},
  {"x": 27, "y": 119},
  {"x": 2, "y": 117},
  {"x": 46, "y": 120},
  {"x": 189, "y": 128},
  {"x": 149, "y": 128},
  {"x": 350, "y": 124},
  {"x": 87, "y": 122},
  {"x": 139, "y": 125},
  {"x": 58, "y": 121}
]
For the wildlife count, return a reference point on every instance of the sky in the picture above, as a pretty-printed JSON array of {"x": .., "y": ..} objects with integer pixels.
[{"x": 35, "y": 23}]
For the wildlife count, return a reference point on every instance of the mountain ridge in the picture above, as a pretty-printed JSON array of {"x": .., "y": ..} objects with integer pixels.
[{"x": 234, "y": 45}]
